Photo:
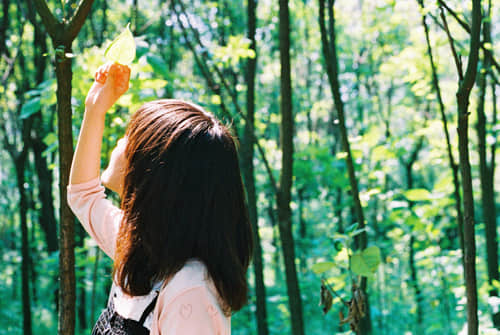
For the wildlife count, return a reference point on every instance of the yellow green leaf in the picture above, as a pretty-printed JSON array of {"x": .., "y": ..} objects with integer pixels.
[
  {"x": 321, "y": 267},
  {"x": 122, "y": 49},
  {"x": 364, "y": 263}
]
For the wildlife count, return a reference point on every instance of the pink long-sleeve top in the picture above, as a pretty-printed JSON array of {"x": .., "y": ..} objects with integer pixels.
[{"x": 187, "y": 304}]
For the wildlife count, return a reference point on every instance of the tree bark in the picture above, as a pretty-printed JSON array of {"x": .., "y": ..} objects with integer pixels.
[
  {"x": 486, "y": 173},
  {"x": 67, "y": 295},
  {"x": 466, "y": 83},
  {"x": 247, "y": 156},
  {"x": 285, "y": 185},
  {"x": 62, "y": 34},
  {"x": 331, "y": 62}
]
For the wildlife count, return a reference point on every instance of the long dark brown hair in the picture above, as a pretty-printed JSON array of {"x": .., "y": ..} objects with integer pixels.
[{"x": 183, "y": 198}]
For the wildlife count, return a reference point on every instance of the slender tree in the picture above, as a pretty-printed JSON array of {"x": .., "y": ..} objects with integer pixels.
[
  {"x": 329, "y": 48},
  {"x": 62, "y": 34},
  {"x": 247, "y": 156},
  {"x": 465, "y": 84},
  {"x": 286, "y": 176},
  {"x": 486, "y": 170}
]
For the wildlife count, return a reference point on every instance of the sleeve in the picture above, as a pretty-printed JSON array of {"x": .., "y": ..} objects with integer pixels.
[
  {"x": 190, "y": 313},
  {"x": 100, "y": 218}
]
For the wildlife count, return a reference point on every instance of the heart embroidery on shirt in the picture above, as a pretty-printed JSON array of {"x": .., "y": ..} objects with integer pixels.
[
  {"x": 186, "y": 311},
  {"x": 211, "y": 310}
]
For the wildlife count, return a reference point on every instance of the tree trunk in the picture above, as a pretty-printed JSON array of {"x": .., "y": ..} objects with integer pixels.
[
  {"x": 330, "y": 58},
  {"x": 62, "y": 35},
  {"x": 247, "y": 156},
  {"x": 67, "y": 226},
  {"x": 486, "y": 175},
  {"x": 464, "y": 88},
  {"x": 285, "y": 186}
]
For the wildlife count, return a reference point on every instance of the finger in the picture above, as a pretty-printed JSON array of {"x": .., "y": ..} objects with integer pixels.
[
  {"x": 114, "y": 69},
  {"x": 100, "y": 77},
  {"x": 101, "y": 74}
]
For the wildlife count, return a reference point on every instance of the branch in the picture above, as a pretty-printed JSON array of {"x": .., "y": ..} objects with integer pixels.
[
  {"x": 77, "y": 20},
  {"x": 467, "y": 28},
  {"x": 470, "y": 72},
  {"x": 454, "y": 14},
  {"x": 234, "y": 99},
  {"x": 49, "y": 20},
  {"x": 458, "y": 62},
  {"x": 215, "y": 88}
]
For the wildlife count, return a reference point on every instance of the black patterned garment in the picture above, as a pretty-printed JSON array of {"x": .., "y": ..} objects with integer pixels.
[{"x": 110, "y": 322}]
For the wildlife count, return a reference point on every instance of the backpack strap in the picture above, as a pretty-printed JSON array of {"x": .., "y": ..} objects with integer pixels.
[{"x": 148, "y": 310}]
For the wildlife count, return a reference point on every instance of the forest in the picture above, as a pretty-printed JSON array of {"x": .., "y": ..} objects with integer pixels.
[{"x": 367, "y": 139}]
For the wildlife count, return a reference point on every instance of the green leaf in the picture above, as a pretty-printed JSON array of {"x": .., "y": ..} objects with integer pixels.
[
  {"x": 31, "y": 107},
  {"x": 417, "y": 194},
  {"x": 365, "y": 263},
  {"x": 321, "y": 267},
  {"x": 122, "y": 49}
]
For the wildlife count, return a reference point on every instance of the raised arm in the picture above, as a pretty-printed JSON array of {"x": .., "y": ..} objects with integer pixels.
[{"x": 111, "y": 81}]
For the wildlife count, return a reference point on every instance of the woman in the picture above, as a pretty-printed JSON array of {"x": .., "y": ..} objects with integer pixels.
[{"x": 181, "y": 242}]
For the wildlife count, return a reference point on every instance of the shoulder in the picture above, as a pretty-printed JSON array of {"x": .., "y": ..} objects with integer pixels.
[
  {"x": 193, "y": 276},
  {"x": 189, "y": 300}
]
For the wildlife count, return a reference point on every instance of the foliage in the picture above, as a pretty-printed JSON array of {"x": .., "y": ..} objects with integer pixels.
[{"x": 386, "y": 87}]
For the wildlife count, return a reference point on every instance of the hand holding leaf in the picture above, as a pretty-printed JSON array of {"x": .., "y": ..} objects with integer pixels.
[{"x": 111, "y": 82}]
